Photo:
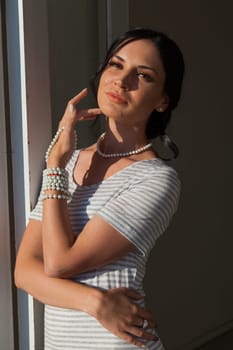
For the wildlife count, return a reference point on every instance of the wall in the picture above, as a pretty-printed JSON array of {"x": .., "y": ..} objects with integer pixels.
[
  {"x": 189, "y": 281},
  {"x": 6, "y": 295},
  {"x": 75, "y": 50}
]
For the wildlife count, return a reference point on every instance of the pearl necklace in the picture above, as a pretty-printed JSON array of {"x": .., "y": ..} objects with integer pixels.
[{"x": 125, "y": 154}]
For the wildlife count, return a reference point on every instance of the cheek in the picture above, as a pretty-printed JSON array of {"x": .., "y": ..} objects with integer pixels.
[
  {"x": 154, "y": 98},
  {"x": 146, "y": 101},
  {"x": 104, "y": 82},
  {"x": 99, "y": 94},
  {"x": 105, "y": 78}
]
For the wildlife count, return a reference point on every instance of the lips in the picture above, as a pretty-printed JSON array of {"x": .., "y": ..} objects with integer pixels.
[{"x": 115, "y": 97}]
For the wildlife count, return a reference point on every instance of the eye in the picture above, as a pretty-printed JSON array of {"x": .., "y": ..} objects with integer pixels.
[
  {"x": 145, "y": 76},
  {"x": 115, "y": 64}
]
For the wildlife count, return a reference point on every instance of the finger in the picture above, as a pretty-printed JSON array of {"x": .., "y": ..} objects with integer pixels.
[
  {"x": 85, "y": 114},
  {"x": 77, "y": 98},
  {"x": 137, "y": 321},
  {"x": 131, "y": 339},
  {"x": 71, "y": 108},
  {"x": 140, "y": 322},
  {"x": 144, "y": 314},
  {"x": 130, "y": 293},
  {"x": 152, "y": 324},
  {"x": 90, "y": 112},
  {"x": 141, "y": 333}
]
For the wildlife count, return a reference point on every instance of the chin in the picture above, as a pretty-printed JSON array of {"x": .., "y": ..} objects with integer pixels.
[
  {"x": 109, "y": 106},
  {"x": 112, "y": 111}
]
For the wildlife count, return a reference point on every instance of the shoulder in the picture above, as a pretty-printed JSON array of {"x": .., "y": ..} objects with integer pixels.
[
  {"x": 149, "y": 182},
  {"x": 156, "y": 182},
  {"x": 154, "y": 170}
]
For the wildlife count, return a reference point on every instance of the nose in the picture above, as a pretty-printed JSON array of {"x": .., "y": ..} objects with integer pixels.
[
  {"x": 124, "y": 81},
  {"x": 121, "y": 83}
]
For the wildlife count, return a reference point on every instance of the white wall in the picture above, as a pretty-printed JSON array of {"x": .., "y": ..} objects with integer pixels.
[{"x": 190, "y": 282}]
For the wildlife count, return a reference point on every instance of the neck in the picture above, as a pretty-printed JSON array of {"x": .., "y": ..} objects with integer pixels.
[
  {"x": 119, "y": 154},
  {"x": 122, "y": 139}
]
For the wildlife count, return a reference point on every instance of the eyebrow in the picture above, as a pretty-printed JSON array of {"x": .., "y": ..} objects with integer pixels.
[{"x": 139, "y": 66}]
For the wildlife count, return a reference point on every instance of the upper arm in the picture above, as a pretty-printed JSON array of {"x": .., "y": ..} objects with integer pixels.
[
  {"x": 99, "y": 243},
  {"x": 132, "y": 221},
  {"x": 30, "y": 246},
  {"x": 144, "y": 212}
]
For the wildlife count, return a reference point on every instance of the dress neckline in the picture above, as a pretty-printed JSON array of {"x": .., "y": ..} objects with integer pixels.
[{"x": 74, "y": 160}]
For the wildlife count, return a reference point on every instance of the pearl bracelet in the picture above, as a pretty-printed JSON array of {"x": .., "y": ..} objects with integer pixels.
[
  {"x": 55, "y": 188},
  {"x": 55, "y": 171},
  {"x": 56, "y": 179},
  {"x": 55, "y": 196},
  {"x": 59, "y": 183},
  {"x": 54, "y": 140}
]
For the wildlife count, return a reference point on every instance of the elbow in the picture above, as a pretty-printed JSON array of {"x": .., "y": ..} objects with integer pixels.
[
  {"x": 53, "y": 269},
  {"x": 59, "y": 269},
  {"x": 22, "y": 274},
  {"x": 18, "y": 276},
  {"x": 51, "y": 272}
]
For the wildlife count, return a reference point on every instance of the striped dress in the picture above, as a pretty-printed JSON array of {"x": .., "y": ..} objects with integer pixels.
[{"x": 139, "y": 201}]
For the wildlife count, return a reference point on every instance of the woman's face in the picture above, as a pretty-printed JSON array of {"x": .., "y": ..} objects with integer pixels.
[{"x": 131, "y": 86}]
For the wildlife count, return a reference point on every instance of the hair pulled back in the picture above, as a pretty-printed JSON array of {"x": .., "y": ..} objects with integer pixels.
[{"x": 173, "y": 64}]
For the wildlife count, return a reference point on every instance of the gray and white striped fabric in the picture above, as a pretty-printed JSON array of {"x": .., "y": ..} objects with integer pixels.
[{"x": 139, "y": 201}]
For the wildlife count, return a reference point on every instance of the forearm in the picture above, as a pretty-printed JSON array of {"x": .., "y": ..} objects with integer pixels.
[
  {"x": 57, "y": 235},
  {"x": 30, "y": 276}
]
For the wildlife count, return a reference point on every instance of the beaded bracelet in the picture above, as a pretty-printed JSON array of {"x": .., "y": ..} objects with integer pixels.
[
  {"x": 56, "y": 179},
  {"x": 55, "y": 171},
  {"x": 58, "y": 183},
  {"x": 55, "y": 188},
  {"x": 55, "y": 196},
  {"x": 54, "y": 140}
]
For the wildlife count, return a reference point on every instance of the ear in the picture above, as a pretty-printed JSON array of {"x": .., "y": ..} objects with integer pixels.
[{"x": 162, "y": 106}]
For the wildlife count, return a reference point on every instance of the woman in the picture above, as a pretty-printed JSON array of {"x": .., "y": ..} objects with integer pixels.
[{"x": 102, "y": 208}]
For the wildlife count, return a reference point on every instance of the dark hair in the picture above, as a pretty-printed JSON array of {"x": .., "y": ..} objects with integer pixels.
[{"x": 173, "y": 64}]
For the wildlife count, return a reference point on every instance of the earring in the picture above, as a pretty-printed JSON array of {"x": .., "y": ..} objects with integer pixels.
[{"x": 160, "y": 109}]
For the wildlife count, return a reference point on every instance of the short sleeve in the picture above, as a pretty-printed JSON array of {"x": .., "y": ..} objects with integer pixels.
[{"x": 143, "y": 211}]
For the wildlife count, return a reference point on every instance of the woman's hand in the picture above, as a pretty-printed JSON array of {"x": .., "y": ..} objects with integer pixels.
[
  {"x": 121, "y": 316},
  {"x": 63, "y": 148}
]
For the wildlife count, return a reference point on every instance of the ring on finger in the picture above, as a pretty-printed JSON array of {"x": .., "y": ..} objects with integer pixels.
[
  {"x": 71, "y": 107},
  {"x": 145, "y": 324}
]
